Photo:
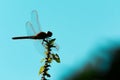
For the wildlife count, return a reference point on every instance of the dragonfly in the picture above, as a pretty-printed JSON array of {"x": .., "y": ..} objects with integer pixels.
[
  {"x": 35, "y": 27},
  {"x": 35, "y": 32}
]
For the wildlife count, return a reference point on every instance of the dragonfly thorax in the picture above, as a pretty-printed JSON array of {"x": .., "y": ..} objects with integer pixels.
[{"x": 43, "y": 35}]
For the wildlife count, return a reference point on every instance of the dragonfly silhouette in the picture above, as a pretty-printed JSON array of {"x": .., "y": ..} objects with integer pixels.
[{"x": 32, "y": 25}]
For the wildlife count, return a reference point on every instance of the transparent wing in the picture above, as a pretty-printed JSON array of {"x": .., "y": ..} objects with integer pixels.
[
  {"x": 35, "y": 21},
  {"x": 34, "y": 28},
  {"x": 30, "y": 29},
  {"x": 40, "y": 48}
]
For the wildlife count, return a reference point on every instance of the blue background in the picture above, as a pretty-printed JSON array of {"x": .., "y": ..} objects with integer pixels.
[{"x": 78, "y": 25}]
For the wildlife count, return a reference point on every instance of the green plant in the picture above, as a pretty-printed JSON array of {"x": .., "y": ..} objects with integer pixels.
[{"x": 48, "y": 43}]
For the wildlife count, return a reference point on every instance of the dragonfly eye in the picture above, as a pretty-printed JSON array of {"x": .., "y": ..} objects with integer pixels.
[{"x": 49, "y": 33}]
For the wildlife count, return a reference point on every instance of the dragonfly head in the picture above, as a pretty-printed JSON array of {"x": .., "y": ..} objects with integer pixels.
[{"x": 49, "y": 33}]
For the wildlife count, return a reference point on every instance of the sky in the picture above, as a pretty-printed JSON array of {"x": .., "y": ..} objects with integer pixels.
[{"x": 78, "y": 26}]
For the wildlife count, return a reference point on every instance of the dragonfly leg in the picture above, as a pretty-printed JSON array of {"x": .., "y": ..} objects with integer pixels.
[{"x": 42, "y": 42}]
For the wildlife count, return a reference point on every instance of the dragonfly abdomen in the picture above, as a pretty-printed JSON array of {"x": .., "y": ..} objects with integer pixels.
[{"x": 24, "y": 37}]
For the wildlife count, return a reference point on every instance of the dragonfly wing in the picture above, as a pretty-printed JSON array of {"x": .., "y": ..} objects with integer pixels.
[
  {"x": 39, "y": 47},
  {"x": 33, "y": 28},
  {"x": 37, "y": 43},
  {"x": 30, "y": 29},
  {"x": 35, "y": 21}
]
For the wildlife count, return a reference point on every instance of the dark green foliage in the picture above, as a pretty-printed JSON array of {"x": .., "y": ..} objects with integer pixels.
[{"x": 92, "y": 73}]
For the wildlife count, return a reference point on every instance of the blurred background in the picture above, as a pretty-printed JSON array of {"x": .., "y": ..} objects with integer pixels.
[{"x": 87, "y": 33}]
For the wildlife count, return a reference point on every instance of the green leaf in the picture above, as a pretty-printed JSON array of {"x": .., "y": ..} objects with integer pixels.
[
  {"x": 49, "y": 60},
  {"x": 48, "y": 75},
  {"x": 46, "y": 52},
  {"x": 42, "y": 60},
  {"x": 56, "y": 58},
  {"x": 41, "y": 69},
  {"x": 51, "y": 42}
]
